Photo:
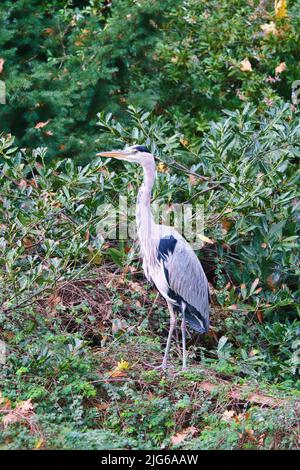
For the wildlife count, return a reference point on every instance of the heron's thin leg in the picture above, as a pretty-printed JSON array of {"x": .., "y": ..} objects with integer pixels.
[
  {"x": 171, "y": 330},
  {"x": 183, "y": 334}
]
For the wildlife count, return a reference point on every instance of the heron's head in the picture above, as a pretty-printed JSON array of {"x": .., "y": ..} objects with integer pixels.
[{"x": 135, "y": 154}]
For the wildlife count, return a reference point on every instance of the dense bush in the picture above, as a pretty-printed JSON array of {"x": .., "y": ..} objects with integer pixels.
[
  {"x": 49, "y": 244},
  {"x": 65, "y": 61},
  {"x": 217, "y": 55},
  {"x": 206, "y": 85}
]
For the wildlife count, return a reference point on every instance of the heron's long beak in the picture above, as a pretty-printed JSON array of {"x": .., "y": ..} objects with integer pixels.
[{"x": 113, "y": 154}]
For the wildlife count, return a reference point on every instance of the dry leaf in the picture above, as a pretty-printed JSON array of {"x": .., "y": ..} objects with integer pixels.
[
  {"x": 253, "y": 352},
  {"x": 254, "y": 285},
  {"x": 280, "y": 68},
  {"x": 245, "y": 65},
  {"x": 260, "y": 316},
  {"x": 136, "y": 287},
  {"x": 48, "y": 31},
  {"x": 22, "y": 184},
  {"x": 261, "y": 439},
  {"x": 102, "y": 406},
  {"x": 23, "y": 410},
  {"x": 161, "y": 167},
  {"x": 40, "y": 125},
  {"x": 242, "y": 394},
  {"x": 240, "y": 95},
  {"x": 193, "y": 180},
  {"x": 280, "y": 7},
  {"x": 181, "y": 436},
  {"x": 25, "y": 407},
  {"x": 233, "y": 307},
  {"x": 269, "y": 28},
  {"x": 205, "y": 239},
  {"x": 250, "y": 434},
  {"x": 39, "y": 444},
  {"x": 33, "y": 183},
  {"x": 226, "y": 225},
  {"x": 28, "y": 241},
  {"x": 53, "y": 301},
  {"x": 10, "y": 418},
  {"x": 227, "y": 415},
  {"x": 120, "y": 370},
  {"x": 5, "y": 402},
  {"x": 271, "y": 282},
  {"x": 1, "y": 64},
  {"x": 257, "y": 291},
  {"x": 117, "y": 373}
]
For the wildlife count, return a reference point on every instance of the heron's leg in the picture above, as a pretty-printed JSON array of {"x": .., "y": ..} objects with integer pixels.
[
  {"x": 171, "y": 330},
  {"x": 183, "y": 335}
]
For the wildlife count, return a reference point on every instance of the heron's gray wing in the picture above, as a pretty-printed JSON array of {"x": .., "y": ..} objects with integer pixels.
[{"x": 186, "y": 280}]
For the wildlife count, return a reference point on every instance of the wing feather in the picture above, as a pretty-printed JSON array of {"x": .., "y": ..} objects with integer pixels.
[{"x": 186, "y": 278}]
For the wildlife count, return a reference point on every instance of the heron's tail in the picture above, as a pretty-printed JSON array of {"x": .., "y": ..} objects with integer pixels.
[{"x": 196, "y": 320}]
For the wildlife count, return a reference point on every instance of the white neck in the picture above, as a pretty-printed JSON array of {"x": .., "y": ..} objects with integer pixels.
[{"x": 144, "y": 218}]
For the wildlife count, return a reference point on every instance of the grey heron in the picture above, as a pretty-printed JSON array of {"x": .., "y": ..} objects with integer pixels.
[{"x": 169, "y": 262}]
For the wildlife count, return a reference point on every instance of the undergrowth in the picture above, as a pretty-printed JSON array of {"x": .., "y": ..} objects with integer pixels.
[{"x": 83, "y": 330}]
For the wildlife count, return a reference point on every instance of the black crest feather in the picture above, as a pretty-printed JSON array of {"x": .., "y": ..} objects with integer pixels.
[{"x": 142, "y": 148}]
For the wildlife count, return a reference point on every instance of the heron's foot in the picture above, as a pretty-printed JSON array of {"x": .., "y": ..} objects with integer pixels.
[{"x": 162, "y": 366}]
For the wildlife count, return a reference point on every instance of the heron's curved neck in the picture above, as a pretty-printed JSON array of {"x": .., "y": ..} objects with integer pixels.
[{"x": 144, "y": 216}]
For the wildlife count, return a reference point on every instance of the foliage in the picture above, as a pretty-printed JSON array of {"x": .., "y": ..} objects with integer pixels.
[
  {"x": 64, "y": 61},
  {"x": 222, "y": 54},
  {"x": 206, "y": 86},
  {"x": 49, "y": 244},
  {"x": 70, "y": 63}
]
